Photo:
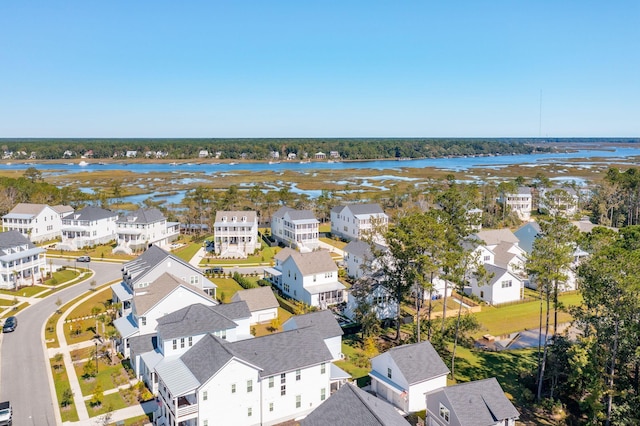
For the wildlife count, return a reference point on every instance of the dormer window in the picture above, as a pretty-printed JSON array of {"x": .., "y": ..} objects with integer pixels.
[
  {"x": 444, "y": 413},
  {"x": 224, "y": 218},
  {"x": 235, "y": 219},
  {"x": 244, "y": 218}
]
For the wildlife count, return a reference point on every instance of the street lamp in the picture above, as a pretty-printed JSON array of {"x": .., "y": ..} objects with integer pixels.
[{"x": 96, "y": 357}]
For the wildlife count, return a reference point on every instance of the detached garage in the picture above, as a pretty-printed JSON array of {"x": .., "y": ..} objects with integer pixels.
[{"x": 261, "y": 301}]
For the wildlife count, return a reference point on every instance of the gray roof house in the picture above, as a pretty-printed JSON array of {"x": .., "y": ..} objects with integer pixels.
[
  {"x": 296, "y": 228},
  {"x": 325, "y": 323},
  {"x": 403, "y": 374},
  {"x": 144, "y": 227},
  {"x": 526, "y": 235},
  {"x": 478, "y": 403},
  {"x": 21, "y": 262},
  {"x": 351, "y": 406},
  {"x": 261, "y": 301},
  {"x": 357, "y": 221},
  {"x": 88, "y": 227}
]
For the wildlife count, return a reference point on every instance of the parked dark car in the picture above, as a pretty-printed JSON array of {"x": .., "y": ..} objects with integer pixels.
[
  {"x": 10, "y": 324},
  {"x": 83, "y": 259},
  {"x": 214, "y": 270}
]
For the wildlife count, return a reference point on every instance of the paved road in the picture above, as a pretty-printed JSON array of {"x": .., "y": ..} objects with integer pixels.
[{"x": 24, "y": 375}]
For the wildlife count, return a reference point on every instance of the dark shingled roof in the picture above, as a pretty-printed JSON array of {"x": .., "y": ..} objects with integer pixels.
[
  {"x": 295, "y": 214},
  {"x": 11, "y": 239},
  {"x": 351, "y": 406},
  {"x": 478, "y": 403},
  {"x": 360, "y": 209},
  {"x": 235, "y": 310},
  {"x": 143, "y": 344},
  {"x": 207, "y": 357},
  {"x": 303, "y": 348},
  {"x": 165, "y": 284},
  {"x": 91, "y": 213},
  {"x": 193, "y": 320},
  {"x": 323, "y": 321},
  {"x": 143, "y": 216},
  {"x": 418, "y": 362},
  {"x": 148, "y": 260},
  {"x": 362, "y": 249},
  {"x": 257, "y": 298}
]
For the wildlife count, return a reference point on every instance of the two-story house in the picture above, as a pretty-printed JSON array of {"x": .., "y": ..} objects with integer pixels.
[
  {"x": 359, "y": 221},
  {"x": 403, "y": 374},
  {"x": 262, "y": 381},
  {"x": 37, "y": 222},
  {"x": 88, "y": 227},
  {"x": 558, "y": 200},
  {"x": 143, "y": 227},
  {"x": 520, "y": 202},
  {"x": 178, "y": 331},
  {"x": 325, "y": 324},
  {"x": 139, "y": 273},
  {"x": 235, "y": 234},
  {"x": 163, "y": 295},
  {"x": 481, "y": 402},
  {"x": 311, "y": 277},
  {"x": 296, "y": 228},
  {"x": 21, "y": 262}
]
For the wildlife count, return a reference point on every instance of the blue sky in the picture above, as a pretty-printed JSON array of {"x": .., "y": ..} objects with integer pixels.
[{"x": 319, "y": 69}]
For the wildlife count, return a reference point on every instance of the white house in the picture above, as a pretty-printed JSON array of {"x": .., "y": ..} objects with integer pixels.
[
  {"x": 520, "y": 202},
  {"x": 21, "y": 262},
  {"x": 296, "y": 228},
  {"x": 131, "y": 154},
  {"x": 325, "y": 324},
  {"x": 143, "y": 227},
  {"x": 262, "y": 303},
  {"x": 481, "y": 402},
  {"x": 37, "y": 222},
  {"x": 403, "y": 374},
  {"x": 311, "y": 278},
  {"x": 359, "y": 258},
  {"x": 141, "y": 272},
  {"x": 502, "y": 287},
  {"x": 558, "y": 200},
  {"x": 203, "y": 153},
  {"x": 359, "y": 221},
  {"x": 235, "y": 233},
  {"x": 178, "y": 331},
  {"x": 501, "y": 247},
  {"x": 88, "y": 227},
  {"x": 351, "y": 406},
  {"x": 266, "y": 380}
]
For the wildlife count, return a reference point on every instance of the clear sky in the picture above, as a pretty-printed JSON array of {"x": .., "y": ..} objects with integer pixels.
[{"x": 269, "y": 68}]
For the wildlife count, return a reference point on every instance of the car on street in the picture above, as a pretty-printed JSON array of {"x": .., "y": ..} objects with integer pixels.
[
  {"x": 83, "y": 259},
  {"x": 5, "y": 413},
  {"x": 214, "y": 270},
  {"x": 10, "y": 324}
]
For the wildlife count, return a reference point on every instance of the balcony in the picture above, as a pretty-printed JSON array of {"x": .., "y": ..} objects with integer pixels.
[{"x": 186, "y": 407}]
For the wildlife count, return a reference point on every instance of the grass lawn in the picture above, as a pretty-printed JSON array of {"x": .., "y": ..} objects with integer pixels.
[
  {"x": 6, "y": 302},
  {"x": 324, "y": 227},
  {"x": 187, "y": 251},
  {"x": 227, "y": 287},
  {"x": 137, "y": 421},
  {"x": 16, "y": 309},
  {"x": 28, "y": 291},
  {"x": 61, "y": 381},
  {"x": 110, "y": 402},
  {"x": 97, "y": 253},
  {"x": 512, "y": 318},
  {"x": 98, "y": 299},
  {"x": 264, "y": 329},
  {"x": 62, "y": 276},
  {"x": 335, "y": 243},
  {"x": 109, "y": 377},
  {"x": 265, "y": 255},
  {"x": 355, "y": 361},
  {"x": 83, "y": 330}
]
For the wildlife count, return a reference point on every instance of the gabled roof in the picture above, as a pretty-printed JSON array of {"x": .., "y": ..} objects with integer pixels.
[
  {"x": 164, "y": 285},
  {"x": 418, "y": 362},
  {"x": 503, "y": 255},
  {"x": 526, "y": 235},
  {"x": 257, "y": 298},
  {"x": 62, "y": 209},
  {"x": 493, "y": 237},
  {"x": 238, "y": 214},
  {"x": 323, "y": 321},
  {"x": 207, "y": 357},
  {"x": 498, "y": 272},
  {"x": 365, "y": 209},
  {"x": 193, "y": 320},
  {"x": 92, "y": 213},
  {"x": 28, "y": 208},
  {"x": 478, "y": 403},
  {"x": 143, "y": 216},
  {"x": 362, "y": 249},
  {"x": 295, "y": 214},
  {"x": 314, "y": 262},
  {"x": 303, "y": 348},
  {"x": 12, "y": 239},
  {"x": 351, "y": 406},
  {"x": 234, "y": 311},
  {"x": 144, "y": 343},
  {"x": 151, "y": 258}
]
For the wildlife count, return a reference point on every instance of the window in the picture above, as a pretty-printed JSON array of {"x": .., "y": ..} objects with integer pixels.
[
  {"x": 143, "y": 320},
  {"x": 323, "y": 368},
  {"x": 298, "y": 401},
  {"x": 444, "y": 413},
  {"x": 175, "y": 344},
  {"x": 190, "y": 341},
  {"x": 249, "y": 412},
  {"x": 323, "y": 394},
  {"x": 389, "y": 373},
  {"x": 283, "y": 390},
  {"x": 507, "y": 284},
  {"x": 271, "y": 406},
  {"x": 182, "y": 342},
  {"x": 205, "y": 395},
  {"x": 487, "y": 258},
  {"x": 298, "y": 373},
  {"x": 271, "y": 381},
  {"x": 205, "y": 423},
  {"x": 233, "y": 388},
  {"x": 249, "y": 386}
]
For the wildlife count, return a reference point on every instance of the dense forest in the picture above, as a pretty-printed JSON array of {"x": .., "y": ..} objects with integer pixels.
[{"x": 259, "y": 149}]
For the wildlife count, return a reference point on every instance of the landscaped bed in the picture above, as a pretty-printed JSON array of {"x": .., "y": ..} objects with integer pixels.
[
  {"x": 61, "y": 381},
  {"x": 108, "y": 377}
]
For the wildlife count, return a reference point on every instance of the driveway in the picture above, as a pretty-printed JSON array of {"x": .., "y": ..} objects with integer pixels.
[{"x": 24, "y": 372}]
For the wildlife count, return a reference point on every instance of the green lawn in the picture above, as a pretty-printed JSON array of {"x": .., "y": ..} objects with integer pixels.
[
  {"x": 324, "y": 227},
  {"x": 335, "y": 243},
  {"x": 110, "y": 402},
  {"x": 97, "y": 300},
  {"x": 62, "y": 276},
  {"x": 16, "y": 309},
  {"x": 227, "y": 287},
  {"x": 109, "y": 377},
  {"x": 355, "y": 361},
  {"x": 265, "y": 255},
  {"x": 187, "y": 251},
  {"x": 6, "y": 302},
  {"x": 137, "y": 421},
  {"x": 61, "y": 381},
  {"x": 28, "y": 291},
  {"x": 512, "y": 318},
  {"x": 97, "y": 253},
  {"x": 264, "y": 329}
]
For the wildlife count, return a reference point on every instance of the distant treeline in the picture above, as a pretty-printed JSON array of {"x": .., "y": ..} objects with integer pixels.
[{"x": 258, "y": 149}]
